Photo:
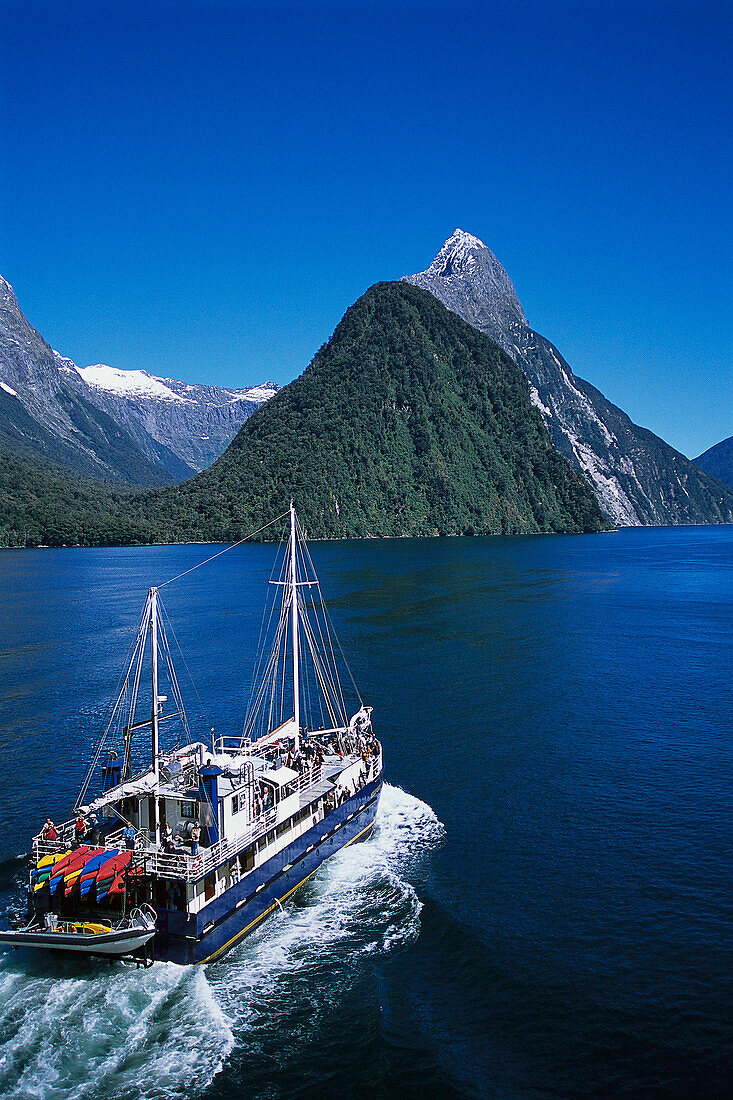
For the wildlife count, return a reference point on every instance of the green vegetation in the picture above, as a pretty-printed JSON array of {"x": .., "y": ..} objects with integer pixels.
[
  {"x": 408, "y": 422},
  {"x": 45, "y": 505}
]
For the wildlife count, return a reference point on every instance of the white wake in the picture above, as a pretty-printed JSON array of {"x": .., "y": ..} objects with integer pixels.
[{"x": 89, "y": 1031}]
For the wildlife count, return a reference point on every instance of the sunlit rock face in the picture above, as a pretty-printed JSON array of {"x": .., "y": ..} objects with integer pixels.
[
  {"x": 118, "y": 425},
  {"x": 45, "y": 413},
  {"x": 637, "y": 477},
  {"x": 193, "y": 424}
]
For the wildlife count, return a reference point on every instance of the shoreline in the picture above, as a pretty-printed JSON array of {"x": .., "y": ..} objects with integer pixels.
[{"x": 375, "y": 538}]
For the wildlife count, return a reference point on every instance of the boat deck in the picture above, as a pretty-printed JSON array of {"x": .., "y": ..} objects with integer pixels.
[{"x": 181, "y": 865}]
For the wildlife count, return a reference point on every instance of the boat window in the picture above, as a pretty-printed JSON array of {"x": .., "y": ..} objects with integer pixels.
[
  {"x": 284, "y": 828},
  {"x": 235, "y": 803},
  {"x": 268, "y": 794},
  {"x": 209, "y": 886},
  {"x": 247, "y": 859},
  {"x": 265, "y": 840},
  {"x": 188, "y": 810}
]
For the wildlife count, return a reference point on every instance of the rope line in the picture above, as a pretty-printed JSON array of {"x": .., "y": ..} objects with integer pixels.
[{"x": 206, "y": 561}]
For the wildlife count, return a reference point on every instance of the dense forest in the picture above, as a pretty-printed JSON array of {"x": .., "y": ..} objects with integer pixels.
[
  {"x": 45, "y": 505},
  {"x": 407, "y": 422}
]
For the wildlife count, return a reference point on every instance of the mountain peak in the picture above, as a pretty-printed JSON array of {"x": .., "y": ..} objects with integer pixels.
[
  {"x": 8, "y": 300},
  {"x": 467, "y": 267},
  {"x": 467, "y": 240}
]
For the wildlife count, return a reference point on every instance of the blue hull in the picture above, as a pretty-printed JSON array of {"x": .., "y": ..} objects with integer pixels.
[{"x": 240, "y": 909}]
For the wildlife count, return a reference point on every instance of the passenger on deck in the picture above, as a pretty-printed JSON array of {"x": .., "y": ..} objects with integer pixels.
[
  {"x": 49, "y": 832},
  {"x": 93, "y": 830},
  {"x": 169, "y": 841},
  {"x": 195, "y": 838},
  {"x": 128, "y": 835},
  {"x": 80, "y": 828}
]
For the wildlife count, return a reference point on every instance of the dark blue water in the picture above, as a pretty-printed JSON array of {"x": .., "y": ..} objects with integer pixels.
[{"x": 546, "y": 908}]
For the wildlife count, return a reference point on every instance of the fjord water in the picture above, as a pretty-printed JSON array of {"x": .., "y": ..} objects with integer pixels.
[{"x": 545, "y": 908}]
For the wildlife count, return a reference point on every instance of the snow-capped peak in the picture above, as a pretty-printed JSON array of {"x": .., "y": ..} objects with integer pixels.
[
  {"x": 461, "y": 253},
  {"x": 127, "y": 383},
  {"x": 131, "y": 384},
  {"x": 64, "y": 363},
  {"x": 465, "y": 240}
]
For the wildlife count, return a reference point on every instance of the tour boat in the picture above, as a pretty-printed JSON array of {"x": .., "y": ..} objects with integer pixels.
[{"x": 213, "y": 835}]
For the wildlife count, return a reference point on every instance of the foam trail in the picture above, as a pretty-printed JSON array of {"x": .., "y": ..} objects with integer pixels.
[
  {"x": 78, "y": 1030},
  {"x": 362, "y": 901},
  {"x": 84, "y": 1031}
]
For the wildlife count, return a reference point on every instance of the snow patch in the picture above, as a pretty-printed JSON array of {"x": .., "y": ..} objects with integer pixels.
[
  {"x": 460, "y": 236},
  {"x": 128, "y": 383},
  {"x": 257, "y": 393}
]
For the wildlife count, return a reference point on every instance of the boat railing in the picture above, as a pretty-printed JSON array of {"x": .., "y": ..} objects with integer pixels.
[
  {"x": 310, "y": 777},
  {"x": 235, "y": 745},
  {"x": 182, "y": 864},
  {"x": 43, "y": 847}
]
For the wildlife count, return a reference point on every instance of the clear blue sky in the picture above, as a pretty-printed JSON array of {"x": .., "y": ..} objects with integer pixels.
[{"x": 202, "y": 189}]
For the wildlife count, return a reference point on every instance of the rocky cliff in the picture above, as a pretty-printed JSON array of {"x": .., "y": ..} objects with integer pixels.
[
  {"x": 637, "y": 477},
  {"x": 178, "y": 425},
  {"x": 46, "y": 416}
]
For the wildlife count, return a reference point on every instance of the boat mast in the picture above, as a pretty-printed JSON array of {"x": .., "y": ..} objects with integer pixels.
[
  {"x": 153, "y": 594},
  {"x": 294, "y": 614}
]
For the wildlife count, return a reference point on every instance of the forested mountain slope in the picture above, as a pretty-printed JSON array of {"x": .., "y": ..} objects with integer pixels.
[{"x": 407, "y": 422}]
